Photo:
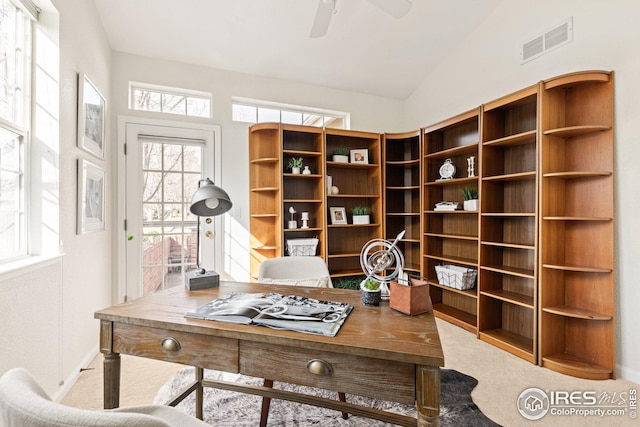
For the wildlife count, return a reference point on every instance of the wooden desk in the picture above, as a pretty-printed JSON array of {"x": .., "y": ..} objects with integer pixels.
[{"x": 378, "y": 352}]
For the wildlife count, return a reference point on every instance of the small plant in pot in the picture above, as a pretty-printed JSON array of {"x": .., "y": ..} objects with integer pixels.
[
  {"x": 295, "y": 163},
  {"x": 371, "y": 293},
  {"x": 470, "y": 196},
  {"x": 341, "y": 155},
  {"x": 360, "y": 215}
]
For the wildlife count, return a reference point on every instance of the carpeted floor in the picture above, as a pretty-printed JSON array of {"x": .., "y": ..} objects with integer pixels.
[{"x": 226, "y": 408}]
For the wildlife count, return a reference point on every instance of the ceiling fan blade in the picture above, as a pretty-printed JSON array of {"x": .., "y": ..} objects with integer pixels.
[
  {"x": 395, "y": 8},
  {"x": 323, "y": 18}
]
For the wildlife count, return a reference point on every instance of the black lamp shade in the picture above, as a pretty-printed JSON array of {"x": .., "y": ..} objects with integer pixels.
[{"x": 209, "y": 200}]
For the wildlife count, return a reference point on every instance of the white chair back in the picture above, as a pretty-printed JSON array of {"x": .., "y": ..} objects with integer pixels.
[{"x": 295, "y": 270}]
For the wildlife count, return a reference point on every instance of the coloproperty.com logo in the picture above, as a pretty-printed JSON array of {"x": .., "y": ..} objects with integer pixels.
[{"x": 534, "y": 403}]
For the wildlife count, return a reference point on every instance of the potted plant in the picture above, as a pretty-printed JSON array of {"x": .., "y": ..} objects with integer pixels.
[
  {"x": 360, "y": 215},
  {"x": 470, "y": 196},
  {"x": 341, "y": 155},
  {"x": 295, "y": 163},
  {"x": 371, "y": 293}
]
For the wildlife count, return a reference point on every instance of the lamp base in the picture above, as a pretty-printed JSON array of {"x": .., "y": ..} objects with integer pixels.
[{"x": 195, "y": 280}]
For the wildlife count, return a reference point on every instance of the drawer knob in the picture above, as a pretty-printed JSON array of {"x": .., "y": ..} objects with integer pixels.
[
  {"x": 171, "y": 344},
  {"x": 319, "y": 367}
]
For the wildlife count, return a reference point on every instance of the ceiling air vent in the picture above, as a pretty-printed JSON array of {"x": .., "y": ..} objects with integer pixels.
[{"x": 551, "y": 39}]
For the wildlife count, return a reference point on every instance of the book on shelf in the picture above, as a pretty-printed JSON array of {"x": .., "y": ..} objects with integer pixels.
[
  {"x": 278, "y": 311},
  {"x": 446, "y": 206}
]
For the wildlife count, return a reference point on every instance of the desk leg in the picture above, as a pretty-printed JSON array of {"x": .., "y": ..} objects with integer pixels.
[
  {"x": 199, "y": 392},
  {"x": 428, "y": 395},
  {"x": 111, "y": 364},
  {"x": 111, "y": 380}
]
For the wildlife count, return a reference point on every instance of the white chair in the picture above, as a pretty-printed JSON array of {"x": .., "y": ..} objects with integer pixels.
[
  {"x": 295, "y": 271},
  {"x": 23, "y": 403}
]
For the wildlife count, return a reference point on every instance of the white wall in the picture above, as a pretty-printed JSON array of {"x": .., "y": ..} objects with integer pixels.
[
  {"x": 87, "y": 270},
  {"x": 368, "y": 113},
  {"x": 487, "y": 66},
  {"x": 46, "y": 311}
]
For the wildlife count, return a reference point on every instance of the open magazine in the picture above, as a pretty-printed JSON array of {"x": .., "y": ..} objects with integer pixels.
[{"x": 290, "y": 312}]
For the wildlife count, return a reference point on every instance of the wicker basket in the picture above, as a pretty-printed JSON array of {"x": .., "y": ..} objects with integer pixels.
[
  {"x": 302, "y": 247},
  {"x": 456, "y": 277}
]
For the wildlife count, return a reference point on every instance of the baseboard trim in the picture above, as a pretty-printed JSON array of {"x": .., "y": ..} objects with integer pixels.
[
  {"x": 628, "y": 374},
  {"x": 70, "y": 380}
]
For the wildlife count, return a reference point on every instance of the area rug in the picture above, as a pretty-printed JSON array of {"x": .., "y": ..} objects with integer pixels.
[{"x": 232, "y": 409}]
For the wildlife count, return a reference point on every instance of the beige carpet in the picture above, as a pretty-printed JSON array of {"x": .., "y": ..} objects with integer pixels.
[{"x": 501, "y": 376}]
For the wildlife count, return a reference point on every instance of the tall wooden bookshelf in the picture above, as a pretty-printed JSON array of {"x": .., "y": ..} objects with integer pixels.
[
  {"x": 359, "y": 184},
  {"x": 303, "y": 192},
  {"x": 450, "y": 237},
  {"x": 577, "y": 308},
  {"x": 508, "y": 238},
  {"x": 402, "y": 195},
  {"x": 274, "y": 189}
]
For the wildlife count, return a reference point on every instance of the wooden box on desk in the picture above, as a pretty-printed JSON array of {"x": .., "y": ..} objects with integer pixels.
[{"x": 412, "y": 299}]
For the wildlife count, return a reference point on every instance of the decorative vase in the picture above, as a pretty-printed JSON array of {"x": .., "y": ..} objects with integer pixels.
[
  {"x": 340, "y": 158},
  {"x": 295, "y": 170},
  {"x": 371, "y": 298},
  {"x": 361, "y": 219},
  {"x": 306, "y": 171},
  {"x": 470, "y": 205}
]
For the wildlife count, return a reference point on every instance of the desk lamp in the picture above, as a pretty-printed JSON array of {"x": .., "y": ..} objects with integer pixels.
[{"x": 208, "y": 200}]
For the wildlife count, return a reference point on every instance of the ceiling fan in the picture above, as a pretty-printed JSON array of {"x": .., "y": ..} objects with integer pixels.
[{"x": 327, "y": 8}]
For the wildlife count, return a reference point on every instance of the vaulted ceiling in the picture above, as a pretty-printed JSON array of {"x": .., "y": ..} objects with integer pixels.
[{"x": 365, "y": 49}]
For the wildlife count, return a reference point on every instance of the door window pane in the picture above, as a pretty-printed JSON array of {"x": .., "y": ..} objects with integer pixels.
[{"x": 169, "y": 229}]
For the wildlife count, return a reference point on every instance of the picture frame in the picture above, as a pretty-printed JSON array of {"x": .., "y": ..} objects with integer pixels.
[
  {"x": 338, "y": 215},
  {"x": 360, "y": 156},
  {"x": 91, "y": 197},
  {"x": 91, "y": 117}
]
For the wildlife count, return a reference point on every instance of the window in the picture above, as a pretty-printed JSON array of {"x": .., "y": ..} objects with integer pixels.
[
  {"x": 162, "y": 99},
  {"x": 256, "y": 111},
  {"x": 15, "y": 86}
]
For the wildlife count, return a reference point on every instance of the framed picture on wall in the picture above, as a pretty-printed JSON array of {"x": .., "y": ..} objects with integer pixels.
[
  {"x": 91, "y": 197},
  {"x": 91, "y": 117}
]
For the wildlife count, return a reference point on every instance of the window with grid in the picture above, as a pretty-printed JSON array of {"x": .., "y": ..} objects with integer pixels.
[
  {"x": 256, "y": 111},
  {"x": 163, "y": 99},
  {"x": 15, "y": 85}
]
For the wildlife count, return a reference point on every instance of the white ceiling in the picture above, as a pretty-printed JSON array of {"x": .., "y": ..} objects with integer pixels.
[{"x": 365, "y": 50}]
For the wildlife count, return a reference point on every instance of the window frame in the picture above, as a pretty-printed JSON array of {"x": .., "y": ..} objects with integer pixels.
[
  {"x": 166, "y": 91},
  {"x": 20, "y": 123},
  {"x": 321, "y": 117}
]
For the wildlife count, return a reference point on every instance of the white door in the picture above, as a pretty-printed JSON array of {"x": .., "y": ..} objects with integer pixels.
[{"x": 164, "y": 164}]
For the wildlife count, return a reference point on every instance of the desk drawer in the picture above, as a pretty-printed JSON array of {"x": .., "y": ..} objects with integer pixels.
[
  {"x": 359, "y": 375},
  {"x": 204, "y": 351}
]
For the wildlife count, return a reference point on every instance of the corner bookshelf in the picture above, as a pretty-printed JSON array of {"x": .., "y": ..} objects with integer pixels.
[
  {"x": 577, "y": 324},
  {"x": 265, "y": 166},
  {"x": 359, "y": 184},
  {"x": 402, "y": 201},
  {"x": 450, "y": 237}
]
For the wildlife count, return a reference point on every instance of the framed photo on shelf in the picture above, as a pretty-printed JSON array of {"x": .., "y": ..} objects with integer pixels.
[
  {"x": 338, "y": 215},
  {"x": 360, "y": 156},
  {"x": 91, "y": 197},
  {"x": 91, "y": 117}
]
